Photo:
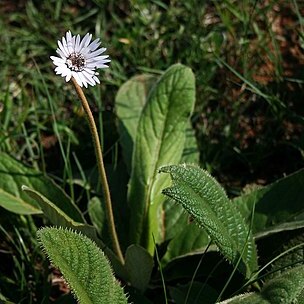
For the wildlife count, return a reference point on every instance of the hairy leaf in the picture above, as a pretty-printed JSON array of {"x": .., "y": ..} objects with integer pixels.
[
  {"x": 206, "y": 201},
  {"x": 58, "y": 218},
  {"x": 160, "y": 140},
  {"x": 289, "y": 245},
  {"x": 287, "y": 288},
  {"x": 83, "y": 265}
]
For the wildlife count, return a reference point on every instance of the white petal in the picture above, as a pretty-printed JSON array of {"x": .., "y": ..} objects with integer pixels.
[
  {"x": 97, "y": 58},
  {"x": 57, "y": 60},
  {"x": 62, "y": 49},
  {"x": 77, "y": 44},
  {"x": 89, "y": 77},
  {"x": 62, "y": 70},
  {"x": 61, "y": 54},
  {"x": 65, "y": 46},
  {"x": 88, "y": 40},
  {"x": 68, "y": 76},
  {"x": 94, "y": 45},
  {"x": 83, "y": 79},
  {"x": 77, "y": 78},
  {"x": 85, "y": 41},
  {"x": 89, "y": 71},
  {"x": 69, "y": 42},
  {"x": 96, "y": 79},
  {"x": 68, "y": 36},
  {"x": 96, "y": 53}
]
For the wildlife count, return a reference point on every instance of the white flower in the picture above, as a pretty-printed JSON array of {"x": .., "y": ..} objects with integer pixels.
[{"x": 79, "y": 59}]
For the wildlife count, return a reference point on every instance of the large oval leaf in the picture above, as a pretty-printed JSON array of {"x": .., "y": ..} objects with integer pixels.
[
  {"x": 129, "y": 102},
  {"x": 206, "y": 201},
  {"x": 160, "y": 140},
  {"x": 83, "y": 265}
]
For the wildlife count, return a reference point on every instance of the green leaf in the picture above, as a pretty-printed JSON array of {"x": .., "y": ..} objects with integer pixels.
[
  {"x": 206, "y": 201},
  {"x": 14, "y": 174},
  {"x": 191, "y": 151},
  {"x": 129, "y": 102},
  {"x": 175, "y": 219},
  {"x": 83, "y": 265},
  {"x": 96, "y": 213},
  {"x": 275, "y": 204},
  {"x": 139, "y": 264},
  {"x": 191, "y": 240},
  {"x": 160, "y": 140},
  {"x": 287, "y": 288},
  {"x": 288, "y": 252},
  {"x": 58, "y": 218}
]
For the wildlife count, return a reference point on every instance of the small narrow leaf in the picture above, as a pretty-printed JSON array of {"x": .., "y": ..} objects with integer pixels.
[
  {"x": 206, "y": 201},
  {"x": 13, "y": 174},
  {"x": 55, "y": 215},
  {"x": 96, "y": 213},
  {"x": 83, "y": 265}
]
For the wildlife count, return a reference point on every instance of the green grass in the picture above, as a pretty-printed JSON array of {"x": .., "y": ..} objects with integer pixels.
[{"x": 248, "y": 63}]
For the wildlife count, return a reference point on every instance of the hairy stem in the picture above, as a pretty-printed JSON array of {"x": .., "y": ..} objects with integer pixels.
[{"x": 101, "y": 169}]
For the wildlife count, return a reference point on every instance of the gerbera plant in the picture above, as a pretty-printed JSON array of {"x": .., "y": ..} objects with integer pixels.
[
  {"x": 154, "y": 130},
  {"x": 78, "y": 61}
]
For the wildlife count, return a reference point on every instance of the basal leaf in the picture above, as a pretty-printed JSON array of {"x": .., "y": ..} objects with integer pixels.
[
  {"x": 58, "y": 218},
  {"x": 191, "y": 152},
  {"x": 192, "y": 239},
  {"x": 290, "y": 245},
  {"x": 206, "y": 201},
  {"x": 139, "y": 264},
  {"x": 175, "y": 219},
  {"x": 160, "y": 140},
  {"x": 83, "y": 265},
  {"x": 14, "y": 174},
  {"x": 129, "y": 102},
  {"x": 275, "y": 204},
  {"x": 287, "y": 288}
]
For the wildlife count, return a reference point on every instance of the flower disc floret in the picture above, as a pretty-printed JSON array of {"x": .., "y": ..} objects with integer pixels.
[{"x": 79, "y": 58}]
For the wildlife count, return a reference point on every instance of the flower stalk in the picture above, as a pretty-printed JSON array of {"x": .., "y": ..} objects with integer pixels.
[{"x": 101, "y": 169}]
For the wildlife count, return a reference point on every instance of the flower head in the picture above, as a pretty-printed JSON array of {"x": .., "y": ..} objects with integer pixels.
[{"x": 79, "y": 58}]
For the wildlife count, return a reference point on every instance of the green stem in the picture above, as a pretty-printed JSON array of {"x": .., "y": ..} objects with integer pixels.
[{"x": 101, "y": 169}]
